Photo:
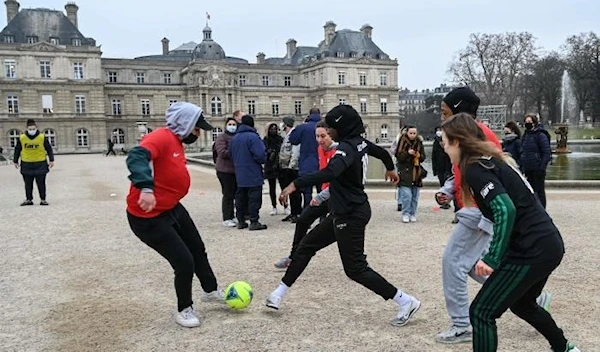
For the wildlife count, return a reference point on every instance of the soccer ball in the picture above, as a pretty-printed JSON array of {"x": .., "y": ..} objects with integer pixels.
[{"x": 238, "y": 295}]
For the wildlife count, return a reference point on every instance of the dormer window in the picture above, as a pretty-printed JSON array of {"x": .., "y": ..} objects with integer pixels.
[
  {"x": 339, "y": 54},
  {"x": 368, "y": 55},
  {"x": 353, "y": 54},
  {"x": 32, "y": 39},
  {"x": 54, "y": 41},
  {"x": 76, "y": 42},
  {"x": 9, "y": 38}
]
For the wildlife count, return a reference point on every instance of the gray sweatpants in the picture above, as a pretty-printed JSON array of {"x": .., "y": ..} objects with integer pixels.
[{"x": 467, "y": 244}]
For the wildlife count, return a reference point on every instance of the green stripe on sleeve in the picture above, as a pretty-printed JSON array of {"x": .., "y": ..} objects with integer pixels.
[{"x": 504, "y": 219}]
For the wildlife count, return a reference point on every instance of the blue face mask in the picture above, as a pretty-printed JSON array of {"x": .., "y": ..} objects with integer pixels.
[{"x": 231, "y": 129}]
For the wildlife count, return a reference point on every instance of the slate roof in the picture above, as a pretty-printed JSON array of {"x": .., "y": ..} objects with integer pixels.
[
  {"x": 44, "y": 24},
  {"x": 348, "y": 41}
]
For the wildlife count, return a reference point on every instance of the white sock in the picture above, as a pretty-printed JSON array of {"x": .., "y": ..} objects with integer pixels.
[
  {"x": 402, "y": 298},
  {"x": 281, "y": 290}
]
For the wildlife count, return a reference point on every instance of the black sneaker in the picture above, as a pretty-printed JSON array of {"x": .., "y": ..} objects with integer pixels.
[
  {"x": 242, "y": 225},
  {"x": 257, "y": 226},
  {"x": 445, "y": 206},
  {"x": 43, "y": 202},
  {"x": 287, "y": 218},
  {"x": 399, "y": 207},
  {"x": 27, "y": 202},
  {"x": 294, "y": 219}
]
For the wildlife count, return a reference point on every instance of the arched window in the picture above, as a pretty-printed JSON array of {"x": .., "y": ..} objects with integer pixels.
[
  {"x": 51, "y": 137},
  {"x": 384, "y": 131},
  {"x": 118, "y": 136},
  {"x": 216, "y": 133},
  {"x": 13, "y": 138},
  {"x": 83, "y": 139},
  {"x": 215, "y": 106}
]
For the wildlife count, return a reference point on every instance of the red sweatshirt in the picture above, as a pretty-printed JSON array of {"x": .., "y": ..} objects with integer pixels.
[
  {"x": 324, "y": 157},
  {"x": 490, "y": 136}
]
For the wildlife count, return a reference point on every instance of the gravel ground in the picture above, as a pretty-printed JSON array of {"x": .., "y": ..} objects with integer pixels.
[{"x": 74, "y": 277}]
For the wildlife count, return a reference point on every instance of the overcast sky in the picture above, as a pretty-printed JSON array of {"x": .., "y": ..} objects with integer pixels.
[{"x": 423, "y": 35}]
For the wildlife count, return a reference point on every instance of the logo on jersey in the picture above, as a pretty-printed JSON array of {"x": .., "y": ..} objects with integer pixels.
[
  {"x": 340, "y": 152},
  {"x": 486, "y": 190},
  {"x": 361, "y": 146}
]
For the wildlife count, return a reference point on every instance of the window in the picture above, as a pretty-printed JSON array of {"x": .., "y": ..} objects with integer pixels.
[
  {"x": 363, "y": 105},
  {"x": 112, "y": 77},
  {"x": 339, "y": 54},
  {"x": 12, "y": 102},
  {"x": 384, "y": 131},
  {"x": 80, "y": 104},
  {"x": 13, "y": 138},
  {"x": 54, "y": 41},
  {"x": 167, "y": 77},
  {"x": 172, "y": 101},
  {"x": 9, "y": 38},
  {"x": 118, "y": 136},
  {"x": 145, "y": 106},
  {"x": 362, "y": 78},
  {"x": 383, "y": 79},
  {"x": 82, "y": 138},
  {"x": 216, "y": 133},
  {"x": 51, "y": 137},
  {"x": 252, "y": 107},
  {"x": 45, "y": 69},
  {"x": 216, "y": 106},
  {"x": 341, "y": 77},
  {"x": 275, "y": 107},
  {"x": 77, "y": 70},
  {"x": 140, "y": 77},
  {"x": 383, "y": 105},
  {"x": 116, "y": 107},
  {"x": 32, "y": 39},
  {"x": 242, "y": 80},
  {"x": 298, "y": 107},
  {"x": 10, "y": 69},
  {"x": 287, "y": 81},
  {"x": 265, "y": 80},
  {"x": 76, "y": 42},
  {"x": 342, "y": 101},
  {"x": 47, "y": 104},
  {"x": 353, "y": 54}
]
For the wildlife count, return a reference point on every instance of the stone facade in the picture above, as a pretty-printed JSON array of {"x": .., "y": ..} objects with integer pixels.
[{"x": 81, "y": 99}]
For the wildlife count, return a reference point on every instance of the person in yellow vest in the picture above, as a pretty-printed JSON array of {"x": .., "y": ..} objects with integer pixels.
[{"x": 35, "y": 151}]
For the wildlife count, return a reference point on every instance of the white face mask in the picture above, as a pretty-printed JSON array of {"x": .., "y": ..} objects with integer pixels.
[
  {"x": 231, "y": 129},
  {"x": 31, "y": 132},
  {"x": 439, "y": 134}
]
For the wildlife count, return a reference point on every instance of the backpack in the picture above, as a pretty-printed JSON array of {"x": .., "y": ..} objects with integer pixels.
[{"x": 214, "y": 153}]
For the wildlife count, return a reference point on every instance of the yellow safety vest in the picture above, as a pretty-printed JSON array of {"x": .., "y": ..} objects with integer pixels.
[{"x": 33, "y": 149}]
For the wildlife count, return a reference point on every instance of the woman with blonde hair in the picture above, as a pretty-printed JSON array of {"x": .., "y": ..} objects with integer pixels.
[{"x": 523, "y": 253}]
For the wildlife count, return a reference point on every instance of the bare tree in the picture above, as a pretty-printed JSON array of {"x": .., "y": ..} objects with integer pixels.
[
  {"x": 583, "y": 59},
  {"x": 542, "y": 85}
]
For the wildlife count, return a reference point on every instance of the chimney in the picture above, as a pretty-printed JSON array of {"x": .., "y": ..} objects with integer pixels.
[
  {"x": 329, "y": 31},
  {"x": 260, "y": 58},
  {"x": 367, "y": 30},
  {"x": 72, "y": 9},
  {"x": 165, "y": 45},
  {"x": 291, "y": 48},
  {"x": 12, "y": 9}
]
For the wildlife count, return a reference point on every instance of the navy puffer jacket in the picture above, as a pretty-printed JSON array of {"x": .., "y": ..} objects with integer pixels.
[{"x": 536, "y": 153}]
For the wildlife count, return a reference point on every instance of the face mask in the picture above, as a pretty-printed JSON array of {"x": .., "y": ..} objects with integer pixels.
[
  {"x": 31, "y": 132},
  {"x": 529, "y": 125},
  {"x": 272, "y": 133},
  {"x": 190, "y": 139},
  {"x": 439, "y": 134},
  {"x": 231, "y": 129}
]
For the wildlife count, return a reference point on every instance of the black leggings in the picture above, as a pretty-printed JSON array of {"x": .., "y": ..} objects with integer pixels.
[
  {"x": 228, "y": 189},
  {"x": 175, "y": 237},
  {"x": 516, "y": 286},
  {"x": 349, "y": 232},
  {"x": 40, "y": 180},
  {"x": 273, "y": 191},
  {"x": 308, "y": 216},
  {"x": 537, "y": 180}
]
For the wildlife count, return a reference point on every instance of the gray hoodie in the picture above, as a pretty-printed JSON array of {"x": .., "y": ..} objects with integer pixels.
[
  {"x": 471, "y": 217},
  {"x": 182, "y": 117}
]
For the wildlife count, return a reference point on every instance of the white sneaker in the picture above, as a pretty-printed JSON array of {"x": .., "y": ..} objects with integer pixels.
[
  {"x": 406, "y": 312},
  {"x": 187, "y": 318},
  {"x": 288, "y": 211},
  {"x": 273, "y": 301},
  {"x": 413, "y": 218},
  {"x": 455, "y": 334},
  {"x": 217, "y": 296},
  {"x": 229, "y": 223},
  {"x": 405, "y": 219},
  {"x": 273, "y": 211},
  {"x": 235, "y": 220}
]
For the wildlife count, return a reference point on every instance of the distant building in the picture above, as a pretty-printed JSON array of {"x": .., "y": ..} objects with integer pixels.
[
  {"x": 56, "y": 75},
  {"x": 411, "y": 102}
]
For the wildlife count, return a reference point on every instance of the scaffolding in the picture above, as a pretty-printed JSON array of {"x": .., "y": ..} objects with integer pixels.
[{"x": 493, "y": 115}]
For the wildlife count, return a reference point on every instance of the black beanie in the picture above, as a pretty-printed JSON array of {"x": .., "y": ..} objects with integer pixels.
[
  {"x": 346, "y": 120},
  {"x": 288, "y": 121},
  {"x": 248, "y": 120},
  {"x": 462, "y": 99},
  {"x": 31, "y": 122}
]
